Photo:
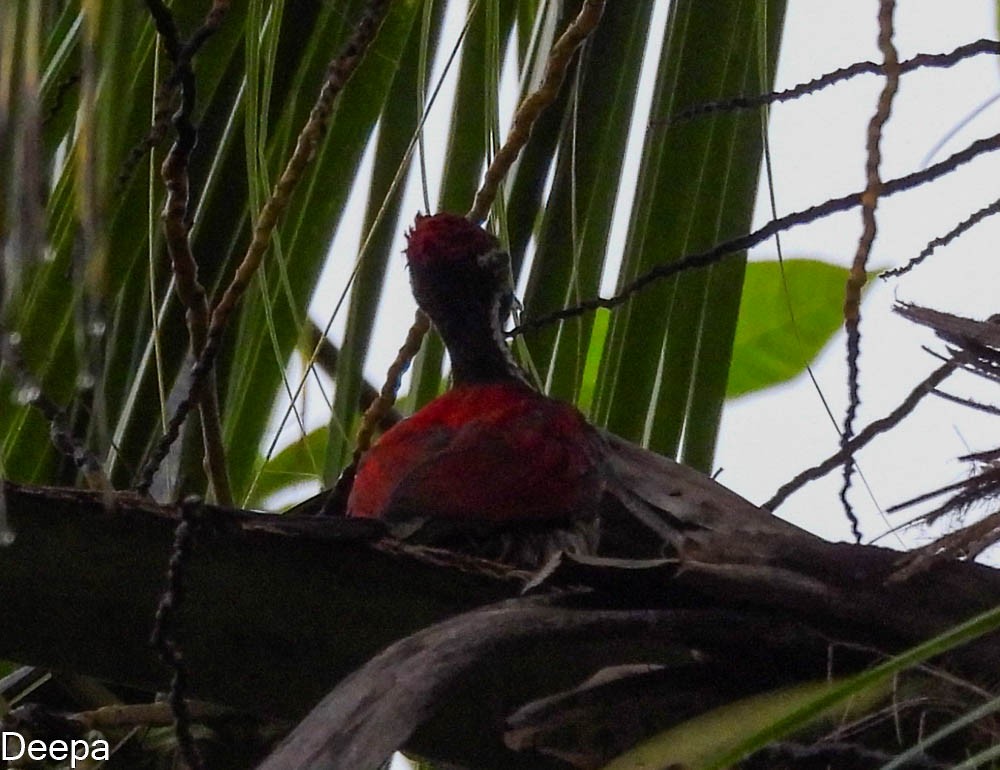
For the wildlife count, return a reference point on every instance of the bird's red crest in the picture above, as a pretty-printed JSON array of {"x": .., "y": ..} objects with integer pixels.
[{"x": 446, "y": 239}]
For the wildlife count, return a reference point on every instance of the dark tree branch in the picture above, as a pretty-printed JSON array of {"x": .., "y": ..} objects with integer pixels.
[{"x": 308, "y": 601}]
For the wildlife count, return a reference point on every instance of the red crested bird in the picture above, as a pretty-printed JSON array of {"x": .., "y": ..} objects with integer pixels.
[
  {"x": 495, "y": 467},
  {"x": 492, "y": 464}
]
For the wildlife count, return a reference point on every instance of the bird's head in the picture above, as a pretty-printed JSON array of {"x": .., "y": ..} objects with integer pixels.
[{"x": 458, "y": 270}]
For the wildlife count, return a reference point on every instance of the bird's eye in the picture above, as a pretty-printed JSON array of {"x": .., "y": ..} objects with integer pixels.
[{"x": 494, "y": 260}]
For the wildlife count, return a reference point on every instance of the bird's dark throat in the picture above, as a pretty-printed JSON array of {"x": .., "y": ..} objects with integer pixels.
[
  {"x": 469, "y": 313},
  {"x": 477, "y": 348}
]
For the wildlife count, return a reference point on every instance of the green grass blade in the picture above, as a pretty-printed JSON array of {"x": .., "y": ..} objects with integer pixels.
[
  {"x": 573, "y": 237},
  {"x": 307, "y": 230},
  {"x": 668, "y": 346},
  {"x": 396, "y": 130}
]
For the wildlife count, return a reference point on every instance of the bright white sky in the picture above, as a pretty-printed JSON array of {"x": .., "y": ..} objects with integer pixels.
[
  {"x": 817, "y": 146},
  {"x": 818, "y": 150}
]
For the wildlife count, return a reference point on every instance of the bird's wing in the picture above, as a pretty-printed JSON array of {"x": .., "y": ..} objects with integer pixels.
[
  {"x": 526, "y": 467},
  {"x": 678, "y": 502},
  {"x": 398, "y": 452}
]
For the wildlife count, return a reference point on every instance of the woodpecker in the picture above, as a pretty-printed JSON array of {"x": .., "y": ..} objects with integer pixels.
[
  {"x": 492, "y": 465},
  {"x": 496, "y": 468}
]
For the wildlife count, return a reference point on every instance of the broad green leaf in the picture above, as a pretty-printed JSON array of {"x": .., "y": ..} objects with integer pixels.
[{"x": 787, "y": 314}]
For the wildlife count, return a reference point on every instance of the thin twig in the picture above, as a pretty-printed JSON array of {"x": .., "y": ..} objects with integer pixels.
[
  {"x": 192, "y": 294},
  {"x": 29, "y": 392},
  {"x": 958, "y": 330},
  {"x": 978, "y": 344},
  {"x": 919, "y": 61},
  {"x": 859, "y": 274},
  {"x": 175, "y": 213},
  {"x": 166, "y": 96},
  {"x": 335, "y": 503},
  {"x": 326, "y": 355},
  {"x": 59, "y": 100},
  {"x": 849, "y": 448},
  {"x": 743, "y": 242},
  {"x": 966, "y": 224},
  {"x": 338, "y": 73},
  {"x": 176, "y": 234},
  {"x": 529, "y": 110},
  {"x": 387, "y": 397},
  {"x": 180, "y": 54},
  {"x": 987, "y": 408},
  {"x": 90, "y": 262},
  {"x": 164, "y": 635},
  {"x": 166, "y": 28},
  {"x": 966, "y": 543}
]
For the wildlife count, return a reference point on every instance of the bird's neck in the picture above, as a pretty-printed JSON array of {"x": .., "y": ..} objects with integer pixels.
[{"x": 477, "y": 348}]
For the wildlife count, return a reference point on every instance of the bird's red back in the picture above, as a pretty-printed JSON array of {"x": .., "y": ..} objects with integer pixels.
[{"x": 498, "y": 452}]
